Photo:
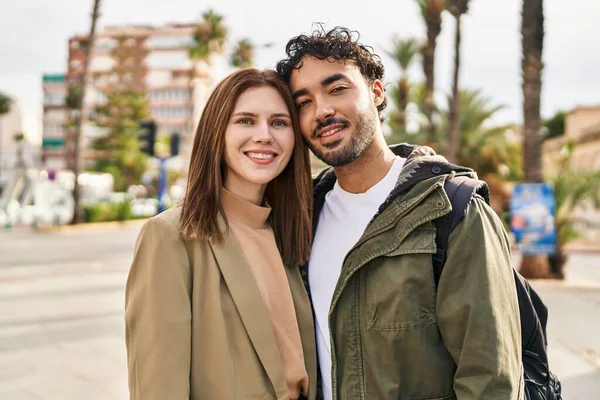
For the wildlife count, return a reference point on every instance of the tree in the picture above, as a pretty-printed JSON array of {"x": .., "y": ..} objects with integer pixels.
[
  {"x": 571, "y": 190},
  {"x": 118, "y": 152},
  {"x": 243, "y": 54},
  {"x": 209, "y": 37},
  {"x": 422, "y": 134},
  {"x": 404, "y": 53},
  {"x": 532, "y": 32},
  {"x": 5, "y": 106},
  {"x": 555, "y": 125},
  {"x": 80, "y": 117},
  {"x": 431, "y": 11},
  {"x": 483, "y": 148},
  {"x": 73, "y": 98},
  {"x": 457, "y": 8}
]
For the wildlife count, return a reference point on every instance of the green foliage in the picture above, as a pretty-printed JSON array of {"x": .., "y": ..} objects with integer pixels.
[
  {"x": 120, "y": 148},
  {"x": 5, "y": 104},
  {"x": 404, "y": 51},
  {"x": 555, "y": 125},
  {"x": 483, "y": 147},
  {"x": 421, "y": 135},
  {"x": 105, "y": 212},
  {"x": 73, "y": 99},
  {"x": 243, "y": 54},
  {"x": 573, "y": 189},
  {"x": 210, "y": 36},
  {"x": 19, "y": 137}
]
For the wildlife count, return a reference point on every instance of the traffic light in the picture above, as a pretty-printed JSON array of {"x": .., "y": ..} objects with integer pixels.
[
  {"x": 147, "y": 137},
  {"x": 175, "y": 139}
]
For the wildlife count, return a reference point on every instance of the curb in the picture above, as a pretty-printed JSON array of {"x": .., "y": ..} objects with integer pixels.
[{"x": 93, "y": 226}]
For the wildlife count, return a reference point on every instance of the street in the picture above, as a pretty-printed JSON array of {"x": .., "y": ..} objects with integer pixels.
[{"x": 62, "y": 329}]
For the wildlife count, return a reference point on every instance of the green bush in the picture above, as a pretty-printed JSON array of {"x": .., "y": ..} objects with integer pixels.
[{"x": 104, "y": 212}]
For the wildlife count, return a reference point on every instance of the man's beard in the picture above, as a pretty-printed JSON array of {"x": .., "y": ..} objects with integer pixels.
[{"x": 364, "y": 131}]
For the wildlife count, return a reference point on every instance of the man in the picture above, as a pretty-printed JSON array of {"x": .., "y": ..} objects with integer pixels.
[{"x": 384, "y": 329}]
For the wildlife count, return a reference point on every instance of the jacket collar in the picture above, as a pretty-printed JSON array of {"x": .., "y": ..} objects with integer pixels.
[
  {"x": 248, "y": 300},
  {"x": 421, "y": 163}
]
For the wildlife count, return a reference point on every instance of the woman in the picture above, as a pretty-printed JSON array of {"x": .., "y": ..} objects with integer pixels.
[{"x": 215, "y": 305}]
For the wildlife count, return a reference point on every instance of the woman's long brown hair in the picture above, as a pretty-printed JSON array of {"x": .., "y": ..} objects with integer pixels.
[{"x": 289, "y": 194}]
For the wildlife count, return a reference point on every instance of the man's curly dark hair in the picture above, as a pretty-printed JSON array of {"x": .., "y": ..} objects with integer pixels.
[{"x": 340, "y": 44}]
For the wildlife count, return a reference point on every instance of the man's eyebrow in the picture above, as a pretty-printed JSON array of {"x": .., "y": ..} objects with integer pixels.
[
  {"x": 324, "y": 83},
  {"x": 298, "y": 93},
  {"x": 333, "y": 78}
]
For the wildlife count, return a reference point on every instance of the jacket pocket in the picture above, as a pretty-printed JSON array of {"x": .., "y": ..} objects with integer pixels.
[{"x": 400, "y": 290}]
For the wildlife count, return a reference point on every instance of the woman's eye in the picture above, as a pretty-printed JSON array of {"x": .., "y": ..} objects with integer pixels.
[
  {"x": 245, "y": 121},
  {"x": 280, "y": 123}
]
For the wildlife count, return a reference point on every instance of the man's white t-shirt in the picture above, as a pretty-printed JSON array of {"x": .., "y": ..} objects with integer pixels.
[{"x": 342, "y": 222}]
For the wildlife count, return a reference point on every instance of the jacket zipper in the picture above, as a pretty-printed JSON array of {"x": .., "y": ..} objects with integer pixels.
[{"x": 336, "y": 297}]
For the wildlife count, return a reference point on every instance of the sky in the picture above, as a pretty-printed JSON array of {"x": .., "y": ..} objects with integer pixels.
[{"x": 34, "y": 34}]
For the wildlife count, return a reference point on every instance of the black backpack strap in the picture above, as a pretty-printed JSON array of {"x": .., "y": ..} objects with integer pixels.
[{"x": 460, "y": 190}]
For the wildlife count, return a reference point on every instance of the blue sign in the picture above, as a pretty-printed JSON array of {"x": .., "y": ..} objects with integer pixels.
[{"x": 533, "y": 210}]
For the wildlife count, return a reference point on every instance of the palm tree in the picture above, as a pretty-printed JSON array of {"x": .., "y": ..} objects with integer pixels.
[
  {"x": 571, "y": 190},
  {"x": 457, "y": 8},
  {"x": 431, "y": 11},
  {"x": 243, "y": 54},
  {"x": 532, "y": 32},
  {"x": 81, "y": 116},
  {"x": 5, "y": 106},
  {"x": 481, "y": 147},
  {"x": 210, "y": 36},
  {"x": 404, "y": 53}
]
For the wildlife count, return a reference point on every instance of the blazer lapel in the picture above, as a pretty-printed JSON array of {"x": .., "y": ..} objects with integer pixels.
[
  {"x": 304, "y": 316},
  {"x": 250, "y": 305}
]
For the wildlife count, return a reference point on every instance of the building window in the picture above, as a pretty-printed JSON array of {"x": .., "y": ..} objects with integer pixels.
[
  {"x": 170, "y": 59},
  {"x": 169, "y": 42},
  {"x": 104, "y": 44}
]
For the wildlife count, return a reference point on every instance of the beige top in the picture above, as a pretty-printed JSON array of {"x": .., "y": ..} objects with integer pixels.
[{"x": 248, "y": 223}]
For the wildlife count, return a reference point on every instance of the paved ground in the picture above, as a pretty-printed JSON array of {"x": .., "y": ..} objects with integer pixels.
[
  {"x": 61, "y": 317},
  {"x": 574, "y": 326},
  {"x": 61, "y": 314}
]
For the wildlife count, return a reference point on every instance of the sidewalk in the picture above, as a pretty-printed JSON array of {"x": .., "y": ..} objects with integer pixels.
[
  {"x": 583, "y": 245},
  {"x": 93, "y": 226}
]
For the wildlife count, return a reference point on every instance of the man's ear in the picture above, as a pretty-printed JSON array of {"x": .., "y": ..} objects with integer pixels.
[{"x": 378, "y": 92}]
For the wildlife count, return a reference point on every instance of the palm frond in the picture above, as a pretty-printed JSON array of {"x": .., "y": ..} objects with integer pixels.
[{"x": 404, "y": 51}]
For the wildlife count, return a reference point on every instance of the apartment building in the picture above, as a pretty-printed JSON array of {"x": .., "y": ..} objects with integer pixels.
[
  {"x": 56, "y": 154},
  {"x": 582, "y": 130},
  {"x": 150, "y": 59}
]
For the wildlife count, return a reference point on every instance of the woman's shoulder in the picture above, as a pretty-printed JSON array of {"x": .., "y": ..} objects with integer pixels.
[
  {"x": 169, "y": 223},
  {"x": 168, "y": 220}
]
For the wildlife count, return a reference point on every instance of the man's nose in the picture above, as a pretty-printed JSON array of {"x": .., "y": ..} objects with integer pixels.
[{"x": 324, "y": 110}]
